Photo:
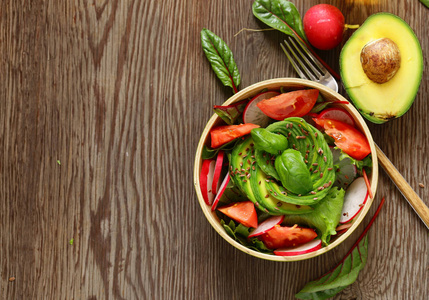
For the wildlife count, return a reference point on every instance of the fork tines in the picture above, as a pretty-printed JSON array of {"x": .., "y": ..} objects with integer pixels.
[{"x": 303, "y": 61}]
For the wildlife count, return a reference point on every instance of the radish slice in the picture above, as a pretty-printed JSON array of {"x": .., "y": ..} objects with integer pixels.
[
  {"x": 338, "y": 114},
  {"x": 308, "y": 247},
  {"x": 221, "y": 190},
  {"x": 218, "y": 169},
  {"x": 346, "y": 172},
  {"x": 354, "y": 200},
  {"x": 206, "y": 180},
  {"x": 252, "y": 113},
  {"x": 267, "y": 225}
]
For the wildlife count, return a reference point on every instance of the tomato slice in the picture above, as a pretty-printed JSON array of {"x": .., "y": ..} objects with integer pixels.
[
  {"x": 346, "y": 137},
  {"x": 282, "y": 236},
  {"x": 242, "y": 212},
  {"x": 291, "y": 104},
  {"x": 223, "y": 134}
]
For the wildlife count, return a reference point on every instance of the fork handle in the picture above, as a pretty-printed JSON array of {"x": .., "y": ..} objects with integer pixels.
[{"x": 407, "y": 191}]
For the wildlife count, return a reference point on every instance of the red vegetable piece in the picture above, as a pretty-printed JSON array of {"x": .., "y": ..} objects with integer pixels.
[
  {"x": 242, "y": 212},
  {"x": 223, "y": 134},
  {"x": 291, "y": 104},
  {"x": 282, "y": 236},
  {"x": 346, "y": 137},
  {"x": 324, "y": 26}
]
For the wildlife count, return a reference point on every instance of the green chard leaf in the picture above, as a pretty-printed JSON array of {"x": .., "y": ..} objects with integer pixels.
[
  {"x": 345, "y": 273},
  {"x": 240, "y": 233},
  {"x": 281, "y": 15},
  {"x": 209, "y": 153},
  {"x": 340, "y": 277},
  {"x": 221, "y": 59},
  {"x": 230, "y": 113}
]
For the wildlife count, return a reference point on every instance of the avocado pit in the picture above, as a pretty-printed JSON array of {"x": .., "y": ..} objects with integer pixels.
[{"x": 380, "y": 60}]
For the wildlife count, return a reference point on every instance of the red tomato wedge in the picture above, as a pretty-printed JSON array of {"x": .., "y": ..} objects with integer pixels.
[
  {"x": 346, "y": 137},
  {"x": 242, "y": 212},
  {"x": 223, "y": 134},
  {"x": 282, "y": 236},
  {"x": 291, "y": 104}
]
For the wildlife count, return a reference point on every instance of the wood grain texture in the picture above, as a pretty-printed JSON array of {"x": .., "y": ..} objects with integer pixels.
[{"x": 101, "y": 106}]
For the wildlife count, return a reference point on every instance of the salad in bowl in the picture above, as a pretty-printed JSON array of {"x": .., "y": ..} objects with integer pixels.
[{"x": 285, "y": 170}]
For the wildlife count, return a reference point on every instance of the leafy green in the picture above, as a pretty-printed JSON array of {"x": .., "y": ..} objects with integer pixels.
[
  {"x": 340, "y": 277},
  {"x": 240, "y": 233},
  {"x": 221, "y": 59},
  {"x": 425, "y": 2},
  {"x": 209, "y": 153},
  {"x": 281, "y": 15},
  {"x": 325, "y": 216},
  {"x": 230, "y": 113},
  {"x": 366, "y": 163}
]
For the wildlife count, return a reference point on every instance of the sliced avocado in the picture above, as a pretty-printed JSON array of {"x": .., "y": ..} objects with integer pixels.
[
  {"x": 242, "y": 160},
  {"x": 248, "y": 177},
  {"x": 381, "y": 67}
]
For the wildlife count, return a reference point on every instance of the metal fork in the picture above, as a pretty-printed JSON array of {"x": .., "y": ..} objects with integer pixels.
[
  {"x": 309, "y": 67},
  {"x": 306, "y": 64}
]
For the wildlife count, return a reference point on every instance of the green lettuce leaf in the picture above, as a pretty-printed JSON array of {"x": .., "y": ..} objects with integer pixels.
[
  {"x": 340, "y": 277},
  {"x": 325, "y": 216},
  {"x": 221, "y": 59},
  {"x": 281, "y": 15}
]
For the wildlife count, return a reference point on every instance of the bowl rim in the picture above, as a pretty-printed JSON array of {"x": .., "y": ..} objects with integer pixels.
[{"x": 251, "y": 91}]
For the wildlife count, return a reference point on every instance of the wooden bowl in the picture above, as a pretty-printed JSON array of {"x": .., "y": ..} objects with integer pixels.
[{"x": 287, "y": 84}]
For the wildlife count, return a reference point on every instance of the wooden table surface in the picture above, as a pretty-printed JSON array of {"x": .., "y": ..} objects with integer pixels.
[{"x": 101, "y": 107}]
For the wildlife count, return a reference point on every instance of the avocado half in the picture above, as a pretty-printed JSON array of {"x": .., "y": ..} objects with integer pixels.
[{"x": 381, "y": 102}]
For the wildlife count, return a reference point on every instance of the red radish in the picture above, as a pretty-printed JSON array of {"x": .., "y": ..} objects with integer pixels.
[
  {"x": 221, "y": 189},
  {"x": 338, "y": 114},
  {"x": 268, "y": 224},
  {"x": 206, "y": 180},
  {"x": 252, "y": 113},
  {"x": 223, "y": 134},
  {"x": 308, "y": 247},
  {"x": 242, "y": 212},
  {"x": 354, "y": 200},
  {"x": 217, "y": 171},
  {"x": 324, "y": 26}
]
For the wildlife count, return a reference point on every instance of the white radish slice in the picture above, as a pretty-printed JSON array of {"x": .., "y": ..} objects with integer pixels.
[
  {"x": 206, "y": 180},
  {"x": 222, "y": 188},
  {"x": 252, "y": 113},
  {"x": 338, "y": 114},
  {"x": 354, "y": 200},
  {"x": 346, "y": 172},
  {"x": 308, "y": 247},
  {"x": 267, "y": 225},
  {"x": 218, "y": 170}
]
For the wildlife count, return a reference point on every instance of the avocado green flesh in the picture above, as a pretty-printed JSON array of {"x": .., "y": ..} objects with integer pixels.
[
  {"x": 318, "y": 157},
  {"x": 267, "y": 201},
  {"x": 250, "y": 174},
  {"x": 241, "y": 162},
  {"x": 382, "y": 102},
  {"x": 246, "y": 174}
]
